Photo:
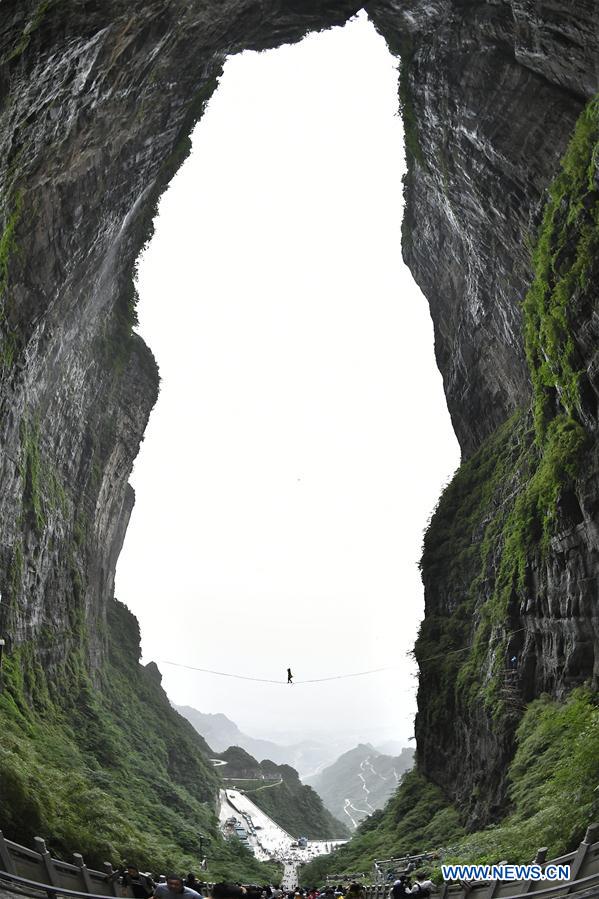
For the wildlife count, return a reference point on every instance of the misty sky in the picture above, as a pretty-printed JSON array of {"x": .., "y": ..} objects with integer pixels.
[{"x": 301, "y": 437}]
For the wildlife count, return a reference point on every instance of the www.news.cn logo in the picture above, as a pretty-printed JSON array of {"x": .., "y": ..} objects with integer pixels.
[{"x": 505, "y": 872}]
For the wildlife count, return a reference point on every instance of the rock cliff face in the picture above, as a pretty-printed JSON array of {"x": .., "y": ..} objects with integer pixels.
[
  {"x": 492, "y": 93},
  {"x": 97, "y": 101}
]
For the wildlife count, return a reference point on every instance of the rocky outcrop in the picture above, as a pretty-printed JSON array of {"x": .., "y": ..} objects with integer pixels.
[{"x": 97, "y": 103}]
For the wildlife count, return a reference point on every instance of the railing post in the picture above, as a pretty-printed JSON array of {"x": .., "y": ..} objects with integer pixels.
[
  {"x": 491, "y": 889},
  {"x": 40, "y": 846},
  {"x": 111, "y": 879},
  {"x": 87, "y": 884},
  {"x": 6, "y": 857},
  {"x": 581, "y": 853},
  {"x": 493, "y": 885},
  {"x": 539, "y": 859}
]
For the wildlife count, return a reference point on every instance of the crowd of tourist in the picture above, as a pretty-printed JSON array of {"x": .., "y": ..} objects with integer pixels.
[{"x": 137, "y": 885}]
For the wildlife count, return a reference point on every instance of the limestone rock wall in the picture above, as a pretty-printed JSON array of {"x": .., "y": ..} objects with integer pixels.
[
  {"x": 96, "y": 103},
  {"x": 492, "y": 92}
]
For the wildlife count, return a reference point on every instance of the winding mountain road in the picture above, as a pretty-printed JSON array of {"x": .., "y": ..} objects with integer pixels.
[
  {"x": 348, "y": 804},
  {"x": 363, "y": 779},
  {"x": 267, "y": 786}
]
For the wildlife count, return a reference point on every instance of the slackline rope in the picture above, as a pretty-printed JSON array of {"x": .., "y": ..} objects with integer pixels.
[
  {"x": 320, "y": 680},
  {"x": 263, "y": 680}
]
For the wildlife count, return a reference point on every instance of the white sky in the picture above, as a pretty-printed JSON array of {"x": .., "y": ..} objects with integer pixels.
[{"x": 301, "y": 438}]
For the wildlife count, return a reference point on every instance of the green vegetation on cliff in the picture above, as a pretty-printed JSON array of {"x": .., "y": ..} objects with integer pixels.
[
  {"x": 8, "y": 250},
  {"x": 493, "y": 523},
  {"x": 565, "y": 261},
  {"x": 552, "y": 792},
  {"x": 108, "y": 769},
  {"x": 459, "y": 558},
  {"x": 418, "y": 817},
  {"x": 8, "y": 243},
  {"x": 552, "y": 782},
  {"x": 500, "y": 511},
  {"x": 33, "y": 25}
]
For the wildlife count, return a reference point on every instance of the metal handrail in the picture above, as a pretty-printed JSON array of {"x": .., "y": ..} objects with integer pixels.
[{"x": 47, "y": 888}]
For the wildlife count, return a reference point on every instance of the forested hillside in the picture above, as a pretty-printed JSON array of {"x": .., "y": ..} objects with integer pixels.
[
  {"x": 278, "y": 791},
  {"x": 109, "y": 768}
]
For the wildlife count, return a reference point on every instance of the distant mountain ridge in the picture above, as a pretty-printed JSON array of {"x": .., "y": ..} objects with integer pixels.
[
  {"x": 390, "y": 747},
  {"x": 275, "y": 788},
  {"x": 306, "y": 756},
  {"x": 360, "y": 781},
  {"x": 330, "y": 803}
]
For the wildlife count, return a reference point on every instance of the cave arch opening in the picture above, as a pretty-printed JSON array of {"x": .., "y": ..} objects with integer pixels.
[{"x": 301, "y": 438}]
